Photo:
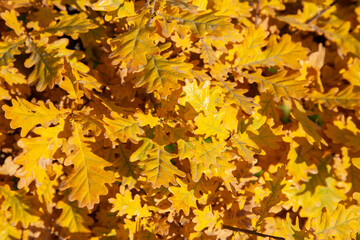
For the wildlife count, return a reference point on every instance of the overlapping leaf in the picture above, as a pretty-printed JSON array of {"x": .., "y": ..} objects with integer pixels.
[
  {"x": 88, "y": 178},
  {"x": 27, "y": 115}
]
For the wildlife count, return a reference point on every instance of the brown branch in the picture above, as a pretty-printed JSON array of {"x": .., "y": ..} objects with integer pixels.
[
  {"x": 251, "y": 232},
  {"x": 257, "y": 11}
]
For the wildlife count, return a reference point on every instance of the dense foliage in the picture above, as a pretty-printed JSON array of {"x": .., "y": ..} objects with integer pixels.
[{"x": 179, "y": 119}]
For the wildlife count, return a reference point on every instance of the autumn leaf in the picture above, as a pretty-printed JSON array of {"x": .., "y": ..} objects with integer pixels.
[
  {"x": 201, "y": 24},
  {"x": 8, "y": 50},
  {"x": 70, "y": 25},
  {"x": 37, "y": 154},
  {"x": 126, "y": 205},
  {"x": 131, "y": 47},
  {"x": 87, "y": 179},
  {"x": 21, "y": 206},
  {"x": 27, "y": 115},
  {"x": 158, "y": 167},
  {"x": 47, "y": 66},
  {"x": 122, "y": 128},
  {"x": 73, "y": 218},
  {"x": 162, "y": 74}
]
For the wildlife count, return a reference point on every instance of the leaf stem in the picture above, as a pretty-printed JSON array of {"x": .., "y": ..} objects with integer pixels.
[{"x": 251, "y": 232}]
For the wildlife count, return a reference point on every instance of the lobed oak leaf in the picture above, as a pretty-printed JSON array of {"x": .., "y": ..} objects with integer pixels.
[
  {"x": 182, "y": 199},
  {"x": 8, "y": 167},
  {"x": 353, "y": 72},
  {"x": 131, "y": 47},
  {"x": 158, "y": 167},
  {"x": 275, "y": 185},
  {"x": 346, "y": 98},
  {"x": 11, "y": 75},
  {"x": 201, "y": 24},
  {"x": 37, "y": 154},
  {"x": 344, "y": 133},
  {"x": 280, "y": 84},
  {"x": 185, "y": 149},
  {"x": 47, "y": 65},
  {"x": 206, "y": 218},
  {"x": 201, "y": 97},
  {"x": 236, "y": 95},
  {"x": 203, "y": 156},
  {"x": 12, "y": 22},
  {"x": 283, "y": 53},
  {"x": 140, "y": 153},
  {"x": 8, "y": 49},
  {"x": 115, "y": 8},
  {"x": 27, "y": 115},
  {"x": 122, "y": 128},
  {"x": 245, "y": 146},
  {"x": 147, "y": 119},
  {"x": 124, "y": 204},
  {"x": 7, "y": 230},
  {"x": 120, "y": 158},
  {"x": 72, "y": 218},
  {"x": 309, "y": 127},
  {"x": 22, "y": 207},
  {"x": 162, "y": 74},
  {"x": 249, "y": 50},
  {"x": 88, "y": 178},
  {"x": 341, "y": 223},
  {"x": 70, "y": 25},
  {"x": 210, "y": 125},
  {"x": 301, "y": 163}
]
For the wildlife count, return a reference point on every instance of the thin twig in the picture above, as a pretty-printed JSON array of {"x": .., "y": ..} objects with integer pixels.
[
  {"x": 317, "y": 15},
  {"x": 321, "y": 12},
  {"x": 251, "y": 232},
  {"x": 152, "y": 13},
  {"x": 257, "y": 12}
]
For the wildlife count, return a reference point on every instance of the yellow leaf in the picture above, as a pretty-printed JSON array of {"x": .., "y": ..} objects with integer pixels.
[
  {"x": 140, "y": 153},
  {"x": 236, "y": 95},
  {"x": 283, "y": 53},
  {"x": 280, "y": 84},
  {"x": 161, "y": 74},
  {"x": 210, "y": 125},
  {"x": 70, "y": 25},
  {"x": 182, "y": 199},
  {"x": 8, "y": 49},
  {"x": 37, "y": 154},
  {"x": 47, "y": 65},
  {"x": 342, "y": 223},
  {"x": 245, "y": 146},
  {"x": 124, "y": 204},
  {"x": 73, "y": 218},
  {"x": 310, "y": 128},
  {"x": 275, "y": 185},
  {"x": 115, "y": 8},
  {"x": 88, "y": 178},
  {"x": 147, "y": 119},
  {"x": 353, "y": 72},
  {"x": 27, "y": 115},
  {"x": 22, "y": 207},
  {"x": 346, "y": 98},
  {"x": 122, "y": 128},
  {"x": 201, "y": 24},
  {"x": 158, "y": 168},
  {"x": 204, "y": 155},
  {"x": 11, "y": 21},
  {"x": 206, "y": 218},
  {"x": 131, "y": 47},
  {"x": 201, "y": 97},
  {"x": 11, "y": 75},
  {"x": 185, "y": 149}
]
